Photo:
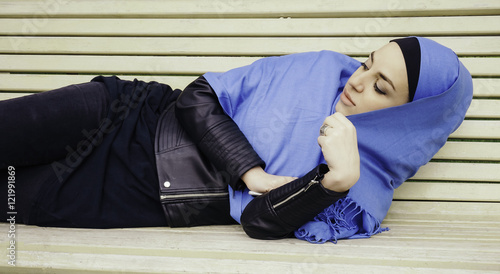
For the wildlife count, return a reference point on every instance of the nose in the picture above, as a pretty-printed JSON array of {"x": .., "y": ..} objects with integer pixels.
[{"x": 356, "y": 82}]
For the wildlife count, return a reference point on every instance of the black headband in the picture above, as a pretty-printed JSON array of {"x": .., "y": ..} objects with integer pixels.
[{"x": 411, "y": 52}]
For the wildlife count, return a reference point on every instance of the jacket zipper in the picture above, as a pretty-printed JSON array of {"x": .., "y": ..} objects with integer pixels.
[
  {"x": 302, "y": 190},
  {"x": 182, "y": 196}
]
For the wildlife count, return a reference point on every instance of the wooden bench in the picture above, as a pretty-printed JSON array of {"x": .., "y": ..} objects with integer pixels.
[{"x": 446, "y": 219}]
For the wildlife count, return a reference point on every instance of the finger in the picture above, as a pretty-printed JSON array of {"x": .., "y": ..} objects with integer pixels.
[
  {"x": 321, "y": 141},
  {"x": 323, "y": 129},
  {"x": 340, "y": 118},
  {"x": 336, "y": 119},
  {"x": 330, "y": 120}
]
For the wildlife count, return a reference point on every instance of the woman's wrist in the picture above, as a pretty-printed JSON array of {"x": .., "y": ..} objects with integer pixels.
[
  {"x": 258, "y": 180},
  {"x": 335, "y": 182},
  {"x": 252, "y": 175}
]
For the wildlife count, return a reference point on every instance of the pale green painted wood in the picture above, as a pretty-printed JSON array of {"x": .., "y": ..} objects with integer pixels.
[
  {"x": 434, "y": 191},
  {"x": 446, "y": 219},
  {"x": 484, "y": 151},
  {"x": 44, "y": 82},
  {"x": 209, "y": 249},
  {"x": 478, "y": 66},
  {"x": 484, "y": 172},
  {"x": 478, "y": 129},
  {"x": 252, "y": 27},
  {"x": 478, "y": 214},
  {"x": 239, "y": 8},
  {"x": 239, "y": 46}
]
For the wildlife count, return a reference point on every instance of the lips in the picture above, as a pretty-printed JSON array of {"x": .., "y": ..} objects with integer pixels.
[
  {"x": 346, "y": 99},
  {"x": 349, "y": 98}
]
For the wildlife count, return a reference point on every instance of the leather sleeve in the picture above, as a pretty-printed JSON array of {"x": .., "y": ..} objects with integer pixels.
[
  {"x": 215, "y": 133},
  {"x": 278, "y": 213}
]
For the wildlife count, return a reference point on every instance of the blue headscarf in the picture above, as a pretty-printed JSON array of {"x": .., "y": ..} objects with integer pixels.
[{"x": 279, "y": 103}]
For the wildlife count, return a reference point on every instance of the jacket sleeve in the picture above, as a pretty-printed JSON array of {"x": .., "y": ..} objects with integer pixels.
[
  {"x": 278, "y": 213},
  {"x": 215, "y": 133}
]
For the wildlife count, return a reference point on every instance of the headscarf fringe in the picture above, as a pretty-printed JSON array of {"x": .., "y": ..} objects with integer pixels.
[{"x": 345, "y": 219}]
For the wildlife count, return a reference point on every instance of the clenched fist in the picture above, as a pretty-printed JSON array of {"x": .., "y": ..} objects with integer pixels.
[{"x": 339, "y": 145}]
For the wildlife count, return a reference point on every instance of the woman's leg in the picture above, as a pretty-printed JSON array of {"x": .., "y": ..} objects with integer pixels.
[
  {"x": 42, "y": 128},
  {"x": 39, "y": 129},
  {"x": 20, "y": 190}
]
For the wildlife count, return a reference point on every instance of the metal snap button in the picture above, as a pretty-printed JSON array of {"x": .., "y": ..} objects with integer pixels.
[{"x": 166, "y": 184}]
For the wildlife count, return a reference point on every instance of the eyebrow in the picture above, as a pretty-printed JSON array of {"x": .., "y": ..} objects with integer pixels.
[{"x": 380, "y": 74}]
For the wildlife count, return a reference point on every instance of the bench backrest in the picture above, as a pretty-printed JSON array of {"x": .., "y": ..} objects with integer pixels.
[{"x": 49, "y": 44}]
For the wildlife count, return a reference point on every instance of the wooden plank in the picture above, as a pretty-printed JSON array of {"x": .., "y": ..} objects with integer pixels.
[
  {"x": 478, "y": 129},
  {"x": 435, "y": 229},
  {"x": 257, "y": 8},
  {"x": 7, "y": 96},
  {"x": 41, "y": 246},
  {"x": 209, "y": 244},
  {"x": 44, "y": 82},
  {"x": 485, "y": 172},
  {"x": 440, "y": 212},
  {"x": 479, "y": 66},
  {"x": 432, "y": 191},
  {"x": 45, "y": 262},
  {"x": 483, "y": 87},
  {"x": 221, "y": 46},
  {"x": 303, "y": 27},
  {"x": 482, "y": 151},
  {"x": 486, "y": 87},
  {"x": 485, "y": 108},
  {"x": 120, "y": 64}
]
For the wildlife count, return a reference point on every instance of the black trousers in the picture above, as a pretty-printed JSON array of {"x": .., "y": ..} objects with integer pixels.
[
  {"x": 39, "y": 129},
  {"x": 84, "y": 154}
]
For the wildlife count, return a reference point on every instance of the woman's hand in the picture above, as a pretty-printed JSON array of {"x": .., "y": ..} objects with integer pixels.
[
  {"x": 258, "y": 180},
  {"x": 339, "y": 145}
]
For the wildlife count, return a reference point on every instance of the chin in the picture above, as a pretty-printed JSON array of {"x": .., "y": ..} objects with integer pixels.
[{"x": 339, "y": 108}]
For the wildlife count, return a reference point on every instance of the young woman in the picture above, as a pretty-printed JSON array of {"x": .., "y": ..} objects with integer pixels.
[{"x": 238, "y": 146}]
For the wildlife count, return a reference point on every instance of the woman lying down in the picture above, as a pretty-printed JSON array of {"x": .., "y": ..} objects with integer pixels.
[{"x": 308, "y": 145}]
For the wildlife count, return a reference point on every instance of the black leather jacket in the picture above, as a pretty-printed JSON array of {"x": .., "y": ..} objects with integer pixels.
[{"x": 200, "y": 151}]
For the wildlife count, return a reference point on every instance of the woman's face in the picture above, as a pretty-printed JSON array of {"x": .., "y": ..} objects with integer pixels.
[{"x": 380, "y": 82}]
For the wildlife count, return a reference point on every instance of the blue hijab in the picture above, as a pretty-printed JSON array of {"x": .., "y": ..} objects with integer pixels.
[{"x": 280, "y": 103}]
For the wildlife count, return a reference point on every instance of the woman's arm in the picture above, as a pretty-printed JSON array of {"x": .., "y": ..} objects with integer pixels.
[
  {"x": 219, "y": 138},
  {"x": 280, "y": 212}
]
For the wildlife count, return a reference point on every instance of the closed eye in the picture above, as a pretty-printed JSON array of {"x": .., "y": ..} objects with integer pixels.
[{"x": 378, "y": 90}]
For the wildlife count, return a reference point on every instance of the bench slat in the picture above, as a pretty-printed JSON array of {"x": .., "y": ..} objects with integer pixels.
[
  {"x": 485, "y": 172},
  {"x": 485, "y": 108},
  {"x": 105, "y": 250},
  {"x": 303, "y": 27},
  {"x": 154, "y": 264},
  {"x": 432, "y": 191},
  {"x": 44, "y": 82},
  {"x": 486, "y": 87},
  {"x": 479, "y": 66},
  {"x": 242, "y": 46},
  {"x": 259, "y": 8},
  {"x": 483, "y": 87},
  {"x": 485, "y": 151},
  {"x": 477, "y": 129},
  {"x": 440, "y": 212}
]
